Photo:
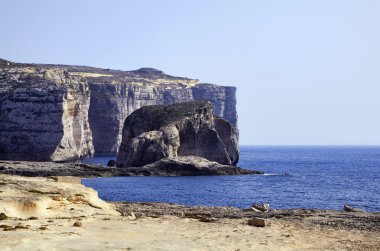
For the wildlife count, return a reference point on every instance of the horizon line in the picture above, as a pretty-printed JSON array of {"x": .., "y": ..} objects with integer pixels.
[{"x": 295, "y": 145}]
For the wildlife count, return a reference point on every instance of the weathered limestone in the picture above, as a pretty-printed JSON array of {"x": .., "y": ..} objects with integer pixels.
[
  {"x": 185, "y": 129},
  {"x": 112, "y": 102},
  {"x": 62, "y": 104},
  {"x": 43, "y": 115}
]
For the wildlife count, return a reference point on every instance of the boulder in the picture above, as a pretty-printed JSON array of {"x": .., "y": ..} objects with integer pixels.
[
  {"x": 257, "y": 222},
  {"x": 153, "y": 133},
  {"x": 260, "y": 207},
  {"x": 349, "y": 208},
  {"x": 77, "y": 224},
  {"x": 111, "y": 163}
]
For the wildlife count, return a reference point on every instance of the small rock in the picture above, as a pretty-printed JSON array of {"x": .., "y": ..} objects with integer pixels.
[
  {"x": 349, "y": 208},
  {"x": 3, "y": 216},
  {"x": 260, "y": 207},
  {"x": 57, "y": 198},
  {"x": 74, "y": 198},
  {"x": 257, "y": 222},
  {"x": 206, "y": 219},
  {"x": 33, "y": 218},
  {"x": 9, "y": 228},
  {"x": 132, "y": 216},
  {"x": 111, "y": 163},
  {"x": 77, "y": 224}
]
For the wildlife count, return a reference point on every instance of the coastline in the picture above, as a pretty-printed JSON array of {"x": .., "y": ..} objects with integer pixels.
[
  {"x": 43, "y": 213},
  {"x": 86, "y": 170}
]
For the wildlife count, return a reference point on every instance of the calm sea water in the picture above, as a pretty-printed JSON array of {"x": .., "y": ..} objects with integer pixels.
[{"x": 319, "y": 177}]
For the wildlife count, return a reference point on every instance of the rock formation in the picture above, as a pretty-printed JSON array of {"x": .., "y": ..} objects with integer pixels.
[
  {"x": 43, "y": 115},
  {"x": 188, "y": 166},
  {"x": 102, "y": 99},
  {"x": 185, "y": 129},
  {"x": 114, "y": 98},
  {"x": 179, "y": 166}
]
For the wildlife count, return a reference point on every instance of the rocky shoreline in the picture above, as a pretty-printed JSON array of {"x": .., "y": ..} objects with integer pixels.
[
  {"x": 363, "y": 221},
  {"x": 44, "y": 213},
  {"x": 46, "y": 169}
]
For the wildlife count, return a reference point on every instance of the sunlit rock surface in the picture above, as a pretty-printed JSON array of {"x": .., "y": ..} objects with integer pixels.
[
  {"x": 43, "y": 115},
  {"x": 62, "y": 112}
]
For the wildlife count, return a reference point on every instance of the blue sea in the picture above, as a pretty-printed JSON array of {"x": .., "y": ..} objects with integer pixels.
[{"x": 322, "y": 177}]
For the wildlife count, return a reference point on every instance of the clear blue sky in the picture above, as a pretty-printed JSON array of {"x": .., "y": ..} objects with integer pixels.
[{"x": 307, "y": 72}]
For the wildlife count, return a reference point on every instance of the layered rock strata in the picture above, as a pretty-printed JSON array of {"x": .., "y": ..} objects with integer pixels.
[
  {"x": 112, "y": 102},
  {"x": 102, "y": 99},
  {"x": 43, "y": 115},
  {"x": 153, "y": 133}
]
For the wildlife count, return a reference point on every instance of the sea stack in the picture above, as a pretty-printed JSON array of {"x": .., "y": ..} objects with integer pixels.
[{"x": 153, "y": 133}]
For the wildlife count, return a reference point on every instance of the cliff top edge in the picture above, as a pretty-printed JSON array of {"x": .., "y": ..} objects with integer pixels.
[{"x": 102, "y": 75}]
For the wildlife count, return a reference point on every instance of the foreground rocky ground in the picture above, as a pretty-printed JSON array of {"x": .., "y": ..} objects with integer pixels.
[
  {"x": 332, "y": 219},
  {"x": 61, "y": 214}
]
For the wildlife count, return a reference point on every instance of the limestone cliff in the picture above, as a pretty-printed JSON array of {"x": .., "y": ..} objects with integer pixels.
[
  {"x": 152, "y": 133},
  {"x": 111, "y": 103},
  {"x": 117, "y": 94},
  {"x": 43, "y": 115},
  {"x": 114, "y": 95}
]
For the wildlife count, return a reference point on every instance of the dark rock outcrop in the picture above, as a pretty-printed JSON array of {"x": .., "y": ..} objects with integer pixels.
[
  {"x": 349, "y": 208},
  {"x": 181, "y": 166},
  {"x": 185, "y": 129},
  {"x": 189, "y": 166},
  {"x": 111, "y": 163}
]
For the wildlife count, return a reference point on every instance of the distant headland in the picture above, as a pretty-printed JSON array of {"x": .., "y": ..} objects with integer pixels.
[{"x": 66, "y": 112}]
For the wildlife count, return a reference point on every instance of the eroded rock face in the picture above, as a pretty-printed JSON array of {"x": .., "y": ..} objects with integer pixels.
[
  {"x": 114, "y": 95},
  {"x": 185, "y": 129},
  {"x": 229, "y": 136},
  {"x": 112, "y": 102},
  {"x": 43, "y": 115}
]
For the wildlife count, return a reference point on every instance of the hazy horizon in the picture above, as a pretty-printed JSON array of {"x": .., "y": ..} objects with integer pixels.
[{"x": 307, "y": 72}]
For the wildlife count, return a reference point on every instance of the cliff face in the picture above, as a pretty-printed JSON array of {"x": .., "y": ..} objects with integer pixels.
[
  {"x": 43, "y": 115},
  {"x": 114, "y": 95},
  {"x": 111, "y": 103},
  {"x": 152, "y": 133}
]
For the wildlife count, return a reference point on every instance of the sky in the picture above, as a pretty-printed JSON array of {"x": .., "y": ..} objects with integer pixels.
[{"x": 306, "y": 72}]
